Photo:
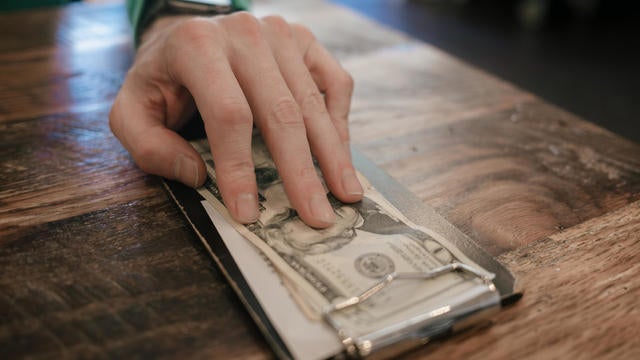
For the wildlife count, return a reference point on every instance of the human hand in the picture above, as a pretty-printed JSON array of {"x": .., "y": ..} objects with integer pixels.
[{"x": 240, "y": 71}]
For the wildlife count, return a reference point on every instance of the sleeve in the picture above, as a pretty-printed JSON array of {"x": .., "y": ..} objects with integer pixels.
[
  {"x": 138, "y": 8},
  {"x": 10, "y": 5},
  {"x": 134, "y": 9}
]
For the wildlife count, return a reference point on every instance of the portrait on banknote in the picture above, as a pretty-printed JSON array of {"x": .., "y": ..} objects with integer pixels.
[
  {"x": 367, "y": 241},
  {"x": 281, "y": 228}
]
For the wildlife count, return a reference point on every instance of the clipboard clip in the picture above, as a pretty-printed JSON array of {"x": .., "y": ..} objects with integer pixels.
[{"x": 355, "y": 348}]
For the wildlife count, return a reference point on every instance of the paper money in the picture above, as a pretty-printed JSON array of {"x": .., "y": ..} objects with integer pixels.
[{"x": 370, "y": 240}]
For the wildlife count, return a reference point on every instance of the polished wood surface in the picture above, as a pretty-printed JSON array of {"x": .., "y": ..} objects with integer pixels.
[
  {"x": 581, "y": 291},
  {"x": 97, "y": 261}
]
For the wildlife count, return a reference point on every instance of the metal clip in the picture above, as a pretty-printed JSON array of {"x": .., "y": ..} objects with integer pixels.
[{"x": 347, "y": 341}]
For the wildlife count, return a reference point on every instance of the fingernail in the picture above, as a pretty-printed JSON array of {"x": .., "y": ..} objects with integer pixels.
[
  {"x": 321, "y": 210},
  {"x": 247, "y": 208},
  {"x": 186, "y": 170},
  {"x": 350, "y": 183}
]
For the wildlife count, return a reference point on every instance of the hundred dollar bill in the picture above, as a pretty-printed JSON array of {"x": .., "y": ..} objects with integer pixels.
[{"x": 370, "y": 240}]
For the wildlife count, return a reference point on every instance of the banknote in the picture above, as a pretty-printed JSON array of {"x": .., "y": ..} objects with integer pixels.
[{"x": 370, "y": 240}]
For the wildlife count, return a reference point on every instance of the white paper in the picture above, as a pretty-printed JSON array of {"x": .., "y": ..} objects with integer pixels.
[{"x": 304, "y": 338}]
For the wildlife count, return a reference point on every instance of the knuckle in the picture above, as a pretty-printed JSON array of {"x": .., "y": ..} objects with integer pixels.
[
  {"x": 114, "y": 119},
  {"x": 247, "y": 25},
  {"x": 313, "y": 104},
  {"x": 143, "y": 154},
  {"x": 346, "y": 80},
  {"x": 344, "y": 137},
  {"x": 237, "y": 172},
  {"x": 303, "y": 32},
  {"x": 235, "y": 112},
  {"x": 243, "y": 18},
  {"x": 306, "y": 173},
  {"x": 279, "y": 25},
  {"x": 285, "y": 112},
  {"x": 194, "y": 32}
]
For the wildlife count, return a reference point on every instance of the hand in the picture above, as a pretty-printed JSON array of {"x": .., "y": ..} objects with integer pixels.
[{"x": 240, "y": 71}]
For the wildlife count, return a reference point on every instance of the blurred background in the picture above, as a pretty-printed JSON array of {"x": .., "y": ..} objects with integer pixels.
[{"x": 582, "y": 55}]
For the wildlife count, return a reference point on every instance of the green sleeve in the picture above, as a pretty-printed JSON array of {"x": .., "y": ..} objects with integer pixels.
[
  {"x": 136, "y": 9},
  {"x": 9, "y": 5}
]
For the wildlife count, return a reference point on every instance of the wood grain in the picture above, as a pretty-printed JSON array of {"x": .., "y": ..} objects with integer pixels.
[
  {"x": 502, "y": 165},
  {"x": 581, "y": 290},
  {"x": 119, "y": 283},
  {"x": 69, "y": 59},
  {"x": 64, "y": 165},
  {"x": 97, "y": 262}
]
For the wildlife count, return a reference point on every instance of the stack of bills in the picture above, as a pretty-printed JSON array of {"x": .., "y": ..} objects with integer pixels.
[{"x": 370, "y": 280}]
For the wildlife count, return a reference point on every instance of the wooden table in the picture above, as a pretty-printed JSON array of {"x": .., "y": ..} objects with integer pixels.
[{"x": 96, "y": 260}]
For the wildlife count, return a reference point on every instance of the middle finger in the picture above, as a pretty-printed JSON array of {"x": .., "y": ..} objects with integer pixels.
[
  {"x": 322, "y": 134},
  {"x": 279, "y": 119}
]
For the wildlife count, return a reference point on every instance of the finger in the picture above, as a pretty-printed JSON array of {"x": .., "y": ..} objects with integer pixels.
[
  {"x": 156, "y": 149},
  {"x": 204, "y": 69},
  {"x": 330, "y": 78},
  {"x": 280, "y": 121},
  {"x": 324, "y": 138}
]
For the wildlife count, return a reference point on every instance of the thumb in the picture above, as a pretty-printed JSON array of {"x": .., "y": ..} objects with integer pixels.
[{"x": 155, "y": 148}]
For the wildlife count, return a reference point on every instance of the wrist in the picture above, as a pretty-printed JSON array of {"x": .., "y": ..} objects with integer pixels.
[
  {"x": 150, "y": 11},
  {"x": 159, "y": 25}
]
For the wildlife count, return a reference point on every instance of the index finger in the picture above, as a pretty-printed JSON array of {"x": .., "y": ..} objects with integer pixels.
[{"x": 205, "y": 71}]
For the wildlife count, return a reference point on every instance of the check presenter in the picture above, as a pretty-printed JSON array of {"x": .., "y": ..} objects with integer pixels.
[{"x": 238, "y": 71}]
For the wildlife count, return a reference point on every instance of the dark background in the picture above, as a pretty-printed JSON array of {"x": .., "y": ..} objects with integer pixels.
[{"x": 582, "y": 55}]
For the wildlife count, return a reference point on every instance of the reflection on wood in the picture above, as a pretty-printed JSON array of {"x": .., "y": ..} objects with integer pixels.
[
  {"x": 65, "y": 165},
  {"x": 69, "y": 59}
]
